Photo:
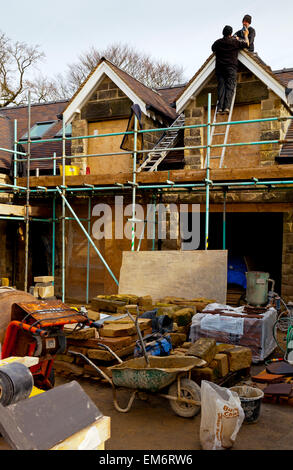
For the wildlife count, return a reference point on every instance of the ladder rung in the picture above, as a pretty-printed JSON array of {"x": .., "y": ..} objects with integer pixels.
[
  {"x": 215, "y": 156},
  {"x": 220, "y": 133}
]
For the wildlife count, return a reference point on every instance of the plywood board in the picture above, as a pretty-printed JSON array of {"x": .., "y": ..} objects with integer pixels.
[
  {"x": 110, "y": 163},
  {"x": 187, "y": 274}
]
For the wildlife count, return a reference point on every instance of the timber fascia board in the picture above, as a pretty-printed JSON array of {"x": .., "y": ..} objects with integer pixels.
[
  {"x": 196, "y": 85},
  {"x": 85, "y": 92},
  {"x": 201, "y": 79}
]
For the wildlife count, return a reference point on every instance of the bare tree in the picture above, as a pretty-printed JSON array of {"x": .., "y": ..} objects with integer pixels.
[
  {"x": 44, "y": 89},
  {"x": 16, "y": 58},
  {"x": 152, "y": 72}
]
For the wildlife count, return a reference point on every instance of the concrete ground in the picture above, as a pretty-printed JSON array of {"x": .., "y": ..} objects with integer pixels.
[{"x": 152, "y": 425}]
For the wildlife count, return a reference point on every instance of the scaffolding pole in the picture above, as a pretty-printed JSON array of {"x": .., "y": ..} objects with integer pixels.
[
  {"x": 224, "y": 219},
  {"x": 208, "y": 172},
  {"x": 27, "y": 195},
  {"x": 54, "y": 223},
  {"x": 88, "y": 251},
  {"x": 134, "y": 184},
  {"x": 15, "y": 154},
  {"x": 63, "y": 211},
  {"x": 206, "y": 186}
]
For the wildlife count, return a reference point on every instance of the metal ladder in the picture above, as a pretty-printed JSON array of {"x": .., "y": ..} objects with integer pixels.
[
  {"x": 168, "y": 140},
  {"x": 225, "y": 134}
]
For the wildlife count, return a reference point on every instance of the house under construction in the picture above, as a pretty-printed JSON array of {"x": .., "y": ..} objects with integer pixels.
[{"x": 165, "y": 146}]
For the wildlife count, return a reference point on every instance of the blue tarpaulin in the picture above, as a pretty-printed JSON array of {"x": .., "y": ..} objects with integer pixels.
[{"x": 236, "y": 271}]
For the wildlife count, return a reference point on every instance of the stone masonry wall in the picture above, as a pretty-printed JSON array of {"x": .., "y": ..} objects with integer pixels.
[
  {"x": 272, "y": 130},
  {"x": 250, "y": 91},
  {"x": 194, "y": 136},
  {"x": 79, "y": 146},
  {"x": 287, "y": 257}
]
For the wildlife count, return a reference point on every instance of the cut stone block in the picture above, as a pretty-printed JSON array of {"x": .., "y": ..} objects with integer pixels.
[
  {"x": 44, "y": 279},
  {"x": 106, "y": 305},
  {"x": 239, "y": 358},
  {"x": 143, "y": 323},
  {"x": 118, "y": 329},
  {"x": 204, "y": 348},
  {"x": 177, "y": 339},
  {"x": 46, "y": 292},
  {"x": 103, "y": 355},
  {"x": 222, "y": 367},
  {"x": 183, "y": 317},
  {"x": 145, "y": 301},
  {"x": 224, "y": 347},
  {"x": 86, "y": 333}
]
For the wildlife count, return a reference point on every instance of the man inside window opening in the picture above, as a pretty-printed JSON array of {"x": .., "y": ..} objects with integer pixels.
[
  {"x": 246, "y": 22},
  {"x": 226, "y": 51}
]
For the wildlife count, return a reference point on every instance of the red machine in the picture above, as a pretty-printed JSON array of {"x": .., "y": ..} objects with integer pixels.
[{"x": 37, "y": 329}]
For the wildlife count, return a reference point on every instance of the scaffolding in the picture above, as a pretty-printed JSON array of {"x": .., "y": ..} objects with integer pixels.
[{"x": 206, "y": 186}]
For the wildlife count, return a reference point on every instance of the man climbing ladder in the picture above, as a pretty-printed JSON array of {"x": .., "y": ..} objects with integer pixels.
[{"x": 226, "y": 51}]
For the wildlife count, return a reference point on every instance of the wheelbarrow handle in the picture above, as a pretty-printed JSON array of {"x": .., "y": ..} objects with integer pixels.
[
  {"x": 105, "y": 376},
  {"x": 111, "y": 352},
  {"x": 135, "y": 321}
]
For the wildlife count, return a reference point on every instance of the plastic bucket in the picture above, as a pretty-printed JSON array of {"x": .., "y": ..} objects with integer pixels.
[{"x": 250, "y": 398}]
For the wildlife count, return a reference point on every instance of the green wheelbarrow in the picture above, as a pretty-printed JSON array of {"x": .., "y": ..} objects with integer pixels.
[{"x": 168, "y": 377}]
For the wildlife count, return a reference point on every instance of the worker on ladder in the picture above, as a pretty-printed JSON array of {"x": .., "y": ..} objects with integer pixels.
[{"x": 226, "y": 50}]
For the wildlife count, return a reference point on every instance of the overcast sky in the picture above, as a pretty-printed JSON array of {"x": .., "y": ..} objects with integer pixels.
[{"x": 178, "y": 31}]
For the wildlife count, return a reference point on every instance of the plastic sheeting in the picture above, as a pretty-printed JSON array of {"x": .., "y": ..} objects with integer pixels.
[{"x": 255, "y": 332}]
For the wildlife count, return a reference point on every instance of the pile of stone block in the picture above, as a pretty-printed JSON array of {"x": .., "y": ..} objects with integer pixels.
[
  {"x": 222, "y": 359},
  {"x": 178, "y": 309},
  {"x": 119, "y": 332}
]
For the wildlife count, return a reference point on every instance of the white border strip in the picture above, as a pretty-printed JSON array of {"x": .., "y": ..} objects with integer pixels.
[{"x": 81, "y": 98}]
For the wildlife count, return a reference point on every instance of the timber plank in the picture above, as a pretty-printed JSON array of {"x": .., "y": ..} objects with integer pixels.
[
  {"x": 218, "y": 174},
  {"x": 18, "y": 210}
]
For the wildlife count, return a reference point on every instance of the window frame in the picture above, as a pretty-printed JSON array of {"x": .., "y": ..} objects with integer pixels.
[{"x": 36, "y": 125}]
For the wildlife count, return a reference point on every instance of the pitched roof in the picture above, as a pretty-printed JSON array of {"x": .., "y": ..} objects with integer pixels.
[
  {"x": 6, "y": 132},
  {"x": 284, "y": 75},
  {"x": 136, "y": 91},
  {"x": 170, "y": 94},
  {"x": 40, "y": 112},
  {"x": 251, "y": 60}
]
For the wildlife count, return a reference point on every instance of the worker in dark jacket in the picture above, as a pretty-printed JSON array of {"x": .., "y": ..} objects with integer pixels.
[
  {"x": 246, "y": 22},
  {"x": 226, "y": 50}
]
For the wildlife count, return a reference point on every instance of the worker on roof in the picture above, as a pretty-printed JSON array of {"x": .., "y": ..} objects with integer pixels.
[
  {"x": 246, "y": 22},
  {"x": 226, "y": 51}
]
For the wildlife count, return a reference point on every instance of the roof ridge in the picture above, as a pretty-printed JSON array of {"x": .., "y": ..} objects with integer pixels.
[
  {"x": 33, "y": 104},
  {"x": 283, "y": 70},
  {"x": 179, "y": 85}
]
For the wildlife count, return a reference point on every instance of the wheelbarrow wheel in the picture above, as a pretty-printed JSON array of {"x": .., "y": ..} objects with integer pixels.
[{"x": 188, "y": 390}]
